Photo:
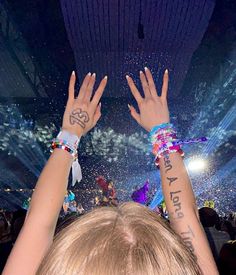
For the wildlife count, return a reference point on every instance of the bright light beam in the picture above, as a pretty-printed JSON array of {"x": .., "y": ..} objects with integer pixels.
[
  {"x": 20, "y": 141},
  {"x": 196, "y": 164},
  {"x": 157, "y": 199},
  {"x": 218, "y": 178},
  {"x": 219, "y": 135}
]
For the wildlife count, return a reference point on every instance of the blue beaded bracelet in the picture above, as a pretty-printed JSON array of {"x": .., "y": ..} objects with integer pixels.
[{"x": 160, "y": 126}]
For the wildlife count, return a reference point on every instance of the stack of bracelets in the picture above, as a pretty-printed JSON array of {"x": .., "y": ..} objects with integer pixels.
[
  {"x": 64, "y": 145},
  {"x": 68, "y": 142},
  {"x": 163, "y": 138}
]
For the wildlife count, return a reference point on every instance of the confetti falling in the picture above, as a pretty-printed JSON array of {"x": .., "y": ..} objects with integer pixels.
[{"x": 117, "y": 148}]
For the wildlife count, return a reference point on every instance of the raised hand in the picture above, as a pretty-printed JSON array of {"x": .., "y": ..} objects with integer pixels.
[
  {"x": 82, "y": 113},
  {"x": 153, "y": 109}
]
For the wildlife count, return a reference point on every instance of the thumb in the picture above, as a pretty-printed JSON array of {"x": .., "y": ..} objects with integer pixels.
[{"x": 134, "y": 114}]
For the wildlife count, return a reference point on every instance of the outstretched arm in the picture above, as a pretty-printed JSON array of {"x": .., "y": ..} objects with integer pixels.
[
  {"x": 177, "y": 189},
  {"x": 36, "y": 236}
]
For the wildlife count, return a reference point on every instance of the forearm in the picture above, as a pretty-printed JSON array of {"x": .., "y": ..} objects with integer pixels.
[
  {"x": 178, "y": 194},
  {"x": 182, "y": 209},
  {"x": 177, "y": 188},
  {"x": 50, "y": 190},
  {"x": 39, "y": 227},
  {"x": 36, "y": 236}
]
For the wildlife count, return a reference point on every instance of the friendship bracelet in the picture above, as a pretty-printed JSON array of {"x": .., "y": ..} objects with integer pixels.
[
  {"x": 69, "y": 142},
  {"x": 191, "y": 140},
  {"x": 164, "y": 130},
  {"x": 63, "y": 142},
  {"x": 163, "y": 139},
  {"x": 66, "y": 148},
  {"x": 66, "y": 141},
  {"x": 69, "y": 138},
  {"x": 157, "y": 160},
  {"x": 160, "y": 126}
]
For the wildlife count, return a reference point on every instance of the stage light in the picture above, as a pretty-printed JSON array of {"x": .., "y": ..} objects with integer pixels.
[{"x": 196, "y": 164}]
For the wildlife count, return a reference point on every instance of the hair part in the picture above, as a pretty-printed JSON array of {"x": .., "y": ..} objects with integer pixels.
[{"x": 128, "y": 239}]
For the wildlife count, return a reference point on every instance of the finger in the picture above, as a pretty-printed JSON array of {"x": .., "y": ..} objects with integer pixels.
[
  {"x": 97, "y": 96},
  {"x": 134, "y": 114},
  {"x": 134, "y": 89},
  {"x": 71, "y": 89},
  {"x": 89, "y": 90},
  {"x": 151, "y": 83},
  {"x": 165, "y": 85},
  {"x": 144, "y": 84},
  {"x": 83, "y": 88},
  {"x": 97, "y": 113}
]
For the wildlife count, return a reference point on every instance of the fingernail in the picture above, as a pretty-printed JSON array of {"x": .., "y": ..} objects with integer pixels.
[
  {"x": 140, "y": 72},
  {"x": 129, "y": 106},
  {"x": 166, "y": 71},
  {"x": 73, "y": 72},
  {"x": 89, "y": 74},
  {"x": 93, "y": 75},
  {"x": 145, "y": 68},
  {"x": 127, "y": 77},
  {"x": 100, "y": 104},
  {"x": 105, "y": 77}
]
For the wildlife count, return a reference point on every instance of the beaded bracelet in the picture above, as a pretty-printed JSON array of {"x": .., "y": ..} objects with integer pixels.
[
  {"x": 157, "y": 160},
  {"x": 160, "y": 126},
  {"x": 69, "y": 142},
  {"x": 65, "y": 143},
  {"x": 162, "y": 138},
  {"x": 69, "y": 138},
  {"x": 64, "y": 147}
]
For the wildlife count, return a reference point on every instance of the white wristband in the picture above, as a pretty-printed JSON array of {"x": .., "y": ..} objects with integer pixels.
[{"x": 71, "y": 139}]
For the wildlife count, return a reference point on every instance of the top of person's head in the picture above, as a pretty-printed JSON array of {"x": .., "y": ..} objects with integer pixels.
[
  {"x": 208, "y": 217},
  {"x": 128, "y": 239},
  {"x": 230, "y": 245},
  {"x": 232, "y": 215},
  {"x": 227, "y": 263}
]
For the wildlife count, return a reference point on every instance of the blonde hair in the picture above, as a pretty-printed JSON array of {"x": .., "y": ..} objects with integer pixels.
[{"x": 129, "y": 239}]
